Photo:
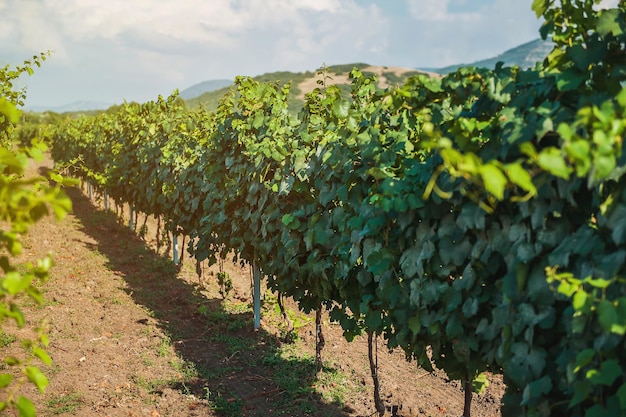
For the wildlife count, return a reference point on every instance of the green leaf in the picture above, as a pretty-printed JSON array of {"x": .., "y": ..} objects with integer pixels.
[
  {"x": 536, "y": 389},
  {"x": 540, "y": 7},
  {"x": 579, "y": 150},
  {"x": 9, "y": 110},
  {"x": 13, "y": 160},
  {"x": 607, "y": 315},
  {"x": 584, "y": 358},
  {"x": 527, "y": 363},
  {"x": 621, "y": 97},
  {"x": 609, "y": 371},
  {"x": 570, "y": 79},
  {"x": 12, "y": 361},
  {"x": 56, "y": 177},
  {"x": 582, "y": 389},
  {"x": 529, "y": 150},
  {"x": 579, "y": 301},
  {"x": 340, "y": 108},
  {"x": 470, "y": 307},
  {"x": 5, "y": 380},
  {"x": 408, "y": 261},
  {"x": 36, "y": 153},
  {"x": 480, "y": 383},
  {"x": 15, "y": 283},
  {"x": 600, "y": 283},
  {"x": 378, "y": 173},
  {"x": 288, "y": 219},
  {"x": 621, "y": 395},
  {"x": 611, "y": 22},
  {"x": 604, "y": 165},
  {"x": 25, "y": 407},
  {"x": 42, "y": 355},
  {"x": 551, "y": 160},
  {"x": 37, "y": 377},
  {"x": 520, "y": 177},
  {"x": 493, "y": 179}
]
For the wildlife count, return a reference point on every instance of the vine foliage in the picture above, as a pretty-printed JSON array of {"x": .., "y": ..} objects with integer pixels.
[
  {"x": 23, "y": 202},
  {"x": 476, "y": 221}
]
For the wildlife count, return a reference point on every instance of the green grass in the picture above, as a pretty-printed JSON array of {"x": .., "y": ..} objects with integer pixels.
[
  {"x": 67, "y": 403},
  {"x": 296, "y": 376},
  {"x": 233, "y": 343},
  {"x": 149, "y": 386},
  {"x": 6, "y": 339},
  {"x": 165, "y": 347},
  {"x": 224, "y": 402},
  {"x": 236, "y": 307},
  {"x": 226, "y": 316},
  {"x": 186, "y": 368}
]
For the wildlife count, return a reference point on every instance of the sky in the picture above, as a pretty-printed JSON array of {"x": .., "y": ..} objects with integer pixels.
[{"x": 115, "y": 50}]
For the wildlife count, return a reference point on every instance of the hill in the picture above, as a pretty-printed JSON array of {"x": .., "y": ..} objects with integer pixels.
[
  {"x": 303, "y": 82},
  {"x": 524, "y": 56},
  {"x": 204, "y": 87}
]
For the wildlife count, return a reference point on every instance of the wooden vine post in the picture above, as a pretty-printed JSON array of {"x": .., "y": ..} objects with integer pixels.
[
  {"x": 131, "y": 221},
  {"x": 175, "y": 256},
  {"x": 256, "y": 277}
]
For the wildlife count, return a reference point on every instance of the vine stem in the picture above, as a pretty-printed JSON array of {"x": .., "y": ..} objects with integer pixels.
[
  {"x": 319, "y": 339},
  {"x": 181, "y": 253},
  {"x": 373, "y": 358},
  {"x": 467, "y": 404},
  {"x": 286, "y": 318}
]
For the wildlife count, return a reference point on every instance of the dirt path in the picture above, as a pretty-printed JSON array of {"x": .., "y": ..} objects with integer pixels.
[{"x": 132, "y": 335}]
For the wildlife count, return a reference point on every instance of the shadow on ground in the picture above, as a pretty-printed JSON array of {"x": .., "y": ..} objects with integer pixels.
[{"x": 239, "y": 370}]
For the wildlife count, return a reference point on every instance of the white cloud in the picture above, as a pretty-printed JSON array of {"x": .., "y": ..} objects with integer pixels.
[
  {"x": 438, "y": 10},
  {"x": 451, "y": 35},
  {"x": 136, "y": 49},
  {"x": 28, "y": 29}
]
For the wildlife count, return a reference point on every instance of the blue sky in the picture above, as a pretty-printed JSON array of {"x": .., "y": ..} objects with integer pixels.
[{"x": 116, "y": 50}]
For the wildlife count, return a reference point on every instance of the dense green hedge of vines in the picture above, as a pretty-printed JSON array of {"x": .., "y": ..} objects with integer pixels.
[{"x": 481, "y": 215}]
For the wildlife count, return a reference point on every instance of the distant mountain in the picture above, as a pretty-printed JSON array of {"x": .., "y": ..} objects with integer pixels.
[
  {"x": 204, "y": 87},
  {"x": 76, "y": 106},
  {"x": 524, "y": 56}
]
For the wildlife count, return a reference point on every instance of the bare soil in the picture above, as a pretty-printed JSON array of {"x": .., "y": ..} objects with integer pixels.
[{"x": 132, "y": 334}]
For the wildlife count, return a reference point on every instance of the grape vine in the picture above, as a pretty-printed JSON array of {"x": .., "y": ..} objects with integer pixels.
[
  {"x": 23, "y": 202},
  {"x": 476, "y": 221}
]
